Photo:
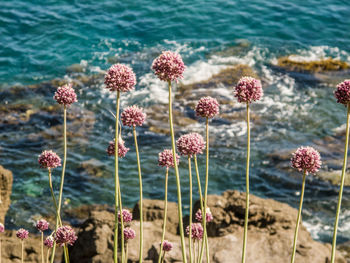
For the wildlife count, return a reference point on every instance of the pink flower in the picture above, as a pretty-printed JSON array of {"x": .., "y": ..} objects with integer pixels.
[
  {"x": 129, "y": 233},
  {"x": 197, "y": 231},
  {"x": 127, "y": 216},
  {"x": 248, "y": 89},
  {"x": 65, "y": 95},
  {"x": 342, "y": 93},
  {"x": 190, "y": 144},
  {"x": 168, "y": 66},
  {"x": 133, "y": 116},
  {"x": 306, "y": 158},
  {"x": 122, "y": 150},
  {"x": 207, "y": 107},
  {"x": 165, "y": 158},
  {"x": 49, "y": 159},
  {"x": 49, "y": 242},
  {"x": 209, "y": 216},
  {"x": 121, "y": 78},
  {"x": 167, "y": 246},
  {"x": 65, "y": 235},
  {"x": 2, "y": 228},
  {"x": 42, "y": 225},
  {"x": 22, "y": 233}
]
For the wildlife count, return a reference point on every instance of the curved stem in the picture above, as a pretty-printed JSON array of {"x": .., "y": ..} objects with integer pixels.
[
  {"x": 190, "y": 224},
  {"x": 298, "y": 219},
  {"x": 334, "y": 243},
  {"x": 141, "y": 200},
  {"x": 165, "y": 213},
  {"x": 42, "y": 247},
  {"x": 183, "y": 245}
]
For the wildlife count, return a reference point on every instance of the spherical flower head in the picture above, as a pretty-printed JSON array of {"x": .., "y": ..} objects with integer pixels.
[
  {"x": 165, "y": 158},
  {"x": 49, "y": 242},
  {"x": 2, "y": 228},
  {"x": 49, "y": 159},
  {"x": 65, "y": 95},
  {"x": 306, "y": 159},
  {"x": 121, "y": 78},
  {"x": 133, "y": 116},
  {"x": 248, "y": 89},
  {"x": 129, "y": 233},
  {"x": 168, "y": 66},
  {"x": 42, "y": 225},
  {"x": 197, "y": 231},
  {"x": 127, "y": 216},
  {"x": 209, "y": 216},
  {"x": 122, "y": 150},
  {"x": 167, "y": 246},
  {"x": 22, "y": 233},
  {"x": 207, "y": 107},
  {"x": 342, "y": 93},
  {"x": 190, "y": 144},
  {"x": 65, "y": 235}
]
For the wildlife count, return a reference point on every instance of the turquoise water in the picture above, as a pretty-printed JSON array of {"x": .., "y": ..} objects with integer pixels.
[{"x": 39, "y": 40}]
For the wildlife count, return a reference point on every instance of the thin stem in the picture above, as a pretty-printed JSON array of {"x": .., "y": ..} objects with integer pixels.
[
  {"x": 183, "y": 245},
  {"x": 334, "y": 243},
  {"x": 298, "y": 218},
  {"x": 42, "y": 247},
  {"x": 165, "y": 213},
  {"x": 126, "y": 252},
  {"x": 121, "y": 223},
  {"x": 194, "y": 250},
  {"x": 141, "y": 200},
  {"x": 163, "y": 257},
  {"x": 190, "y": 224},
  {"x": 48, "y": 255},
  {"x": 116, "y": 183},
  {"x": 22, "y": 242},
  {"x": 246, "y": 217},
  {"x": 197, "y": 249},
  {"x": 0, "y": 251}
]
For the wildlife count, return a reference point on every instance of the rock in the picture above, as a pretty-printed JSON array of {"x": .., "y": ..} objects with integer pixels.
[
  {"x": 92, "y": 167},
  {"x": 6, "y": 180},
  {"x": 344, "y": 249},
  {"x": 75, "y": 68}
]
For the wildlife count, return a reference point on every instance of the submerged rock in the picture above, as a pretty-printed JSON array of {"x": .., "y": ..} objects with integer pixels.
[{"x": 6, "y": 180}]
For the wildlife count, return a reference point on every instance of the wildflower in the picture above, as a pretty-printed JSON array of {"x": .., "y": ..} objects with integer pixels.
[
  {"x": 49, "y": 159},
  {"x": 65, "y": 95},
  {"x": 42, "y": 225},
  {"x": 49, "y": 242},
  {"x": 133, "y": 116},
  {"x": 22, "y": 233},
  {"x": 65, "y": 235},
  {"x": 248, "y": 89},
  {"x": 207, "y": 107},
  {"x": 342, "y": 93},
  {"x": 306, "y": 158},
  {"x": 190, "y": 144},
  {"x": 127, "y": 216},
  {"x": 197, "y": 231},
  {"x": 129, "y": 233},
  {"x": 122, "y": 150},
  {"x": 167, "y": 246},
  {"x": 2, "y": 228},
  {"x": 120, "y": 77},
  {"x": 165, "y": 158},
  {"x": 209, "y": 216},
  {"x": 168, "y": 66}
]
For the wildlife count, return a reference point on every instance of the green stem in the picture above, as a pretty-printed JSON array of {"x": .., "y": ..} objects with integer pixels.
[
  {"x": 298, "y": 218},
  {"x": 42, "y": 247},
  {"x": 22, "y": 242},
  {"x": 334, "y": 243},
  {"x": 48, "y": 255},
  {"x": 116, "y": 183},
  {"x": 183, "y": 245},
  {"x": 246, "y": 217},
  {"x": 0, "y": 251},
  {"x": 121, "y": 223},
  {"x": 141, "y": 200},
  {"x": 126, "y": 252},
  {"x": 190, "y": 224},
  {"x": 165, "y": 213},
  {"x": 163, "y": 256}
]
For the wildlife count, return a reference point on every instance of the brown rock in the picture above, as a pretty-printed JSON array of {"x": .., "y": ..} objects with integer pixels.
[{"x": 6, "y": 180}]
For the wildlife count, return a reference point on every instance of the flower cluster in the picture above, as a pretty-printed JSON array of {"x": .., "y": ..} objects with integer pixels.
[
  {"x": 65, "y": 235},
  {"x": 2, "y": 228},
  {"x": 121, "y": 78},
  {"x": 342, "y": 93},
  {"x": 49, "y": 159},
  {"x": 209, "y": 216},
  {"x": 129, "y": 233},
  {"x": 248, "y": 89},
  {"x": 122, "y": 150},
  {"x": 197, "y": 231},
  {"x": 167, "y": 246},
  {"x": 306, "y": 159},
  {"x": 127, "y": 216},
  {"x": 165, "y": 158},
  {"x": 207, "y": 107},
  {"x": 42, "y": 225},
  {"x": 22, "y": 233},
  {"x": 190, "y": 144},
  {"x": 49, "y": 242},
  {"x": 65, "y": 95},
  {"x": 133, "y": 116},
  {"x": 168, "y": 66}
]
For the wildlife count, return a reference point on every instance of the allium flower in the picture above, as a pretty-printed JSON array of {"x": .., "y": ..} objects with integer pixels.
[
  {"x": 167, "y": 246},
  {"x": 129, "y": 233},
  {"x": 49, "y": 242},
  {"x": 207, "y": 107},
  {"x": 190, "y": 144},
  {"x": 168, "y": 66},
  {"x": 342, "y": 93},
  {"x": 122, "y": 150},
  {"x": 248, "y": 89},
  {"x": 42, "y": 225},
  {"x": 209, "y": 216},
  {"x": 49, "y": 159},
  {"x": 127, "y": 216},
  {"x": 65, "y": 235},
  {"x": 306, "y": 158},
  {"x": 65, "y": 95},
  {"x": 165, "y": 158},
  {"x": 2, "y": 228},
  {"x": 133, "y": 116},
  {"x": 121, "y": 78},
  {"x": 197, "y": 231},
  {"x": 22, "y": 233}
]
